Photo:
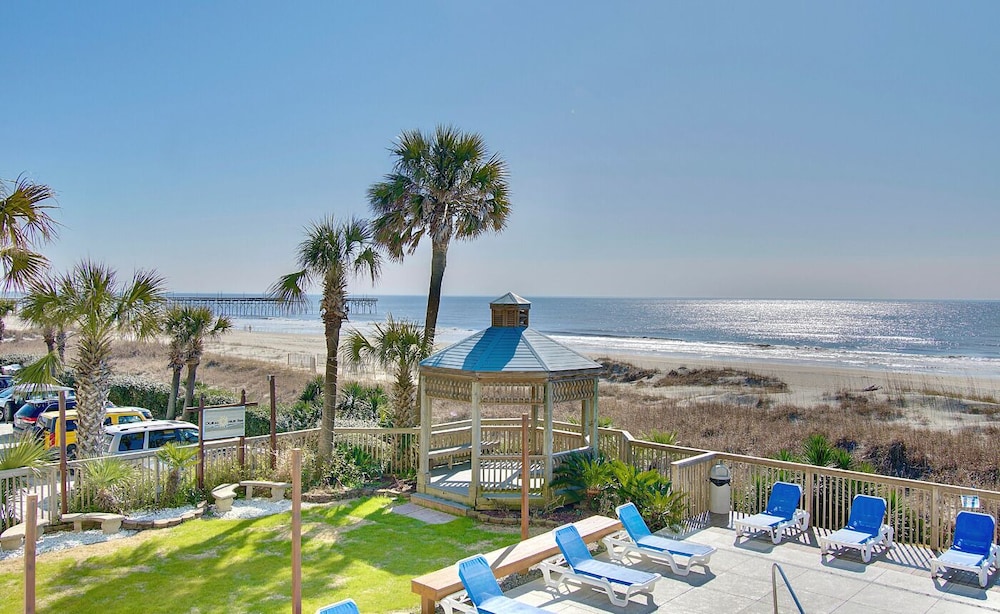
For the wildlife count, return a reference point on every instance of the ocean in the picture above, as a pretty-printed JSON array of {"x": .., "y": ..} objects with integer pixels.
[{"x": 947, "y": 336}]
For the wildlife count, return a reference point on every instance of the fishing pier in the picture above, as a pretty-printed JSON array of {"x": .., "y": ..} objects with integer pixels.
[{"x": 263, "y": 306}]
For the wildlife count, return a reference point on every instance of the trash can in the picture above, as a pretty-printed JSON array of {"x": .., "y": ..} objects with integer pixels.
[{"x": 720, "y": 490}]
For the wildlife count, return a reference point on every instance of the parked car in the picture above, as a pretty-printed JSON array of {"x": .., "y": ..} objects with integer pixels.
[
  {"x": 15, "y": 396},
  {"x": 47, "y": 426},
  {"x": 27, "y": 415},
  {"x": 6, "y": 381},
  {"x": 149, "y": 435}
]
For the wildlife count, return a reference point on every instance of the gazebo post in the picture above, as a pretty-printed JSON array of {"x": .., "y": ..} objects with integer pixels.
[
  {"x": 584, "y": 422},
  {"x": 594, "y": 442},
  {"x": 424, "y": 474},
  {"x": 549, "y": 443},
  {"x": 477, "y": 440}
]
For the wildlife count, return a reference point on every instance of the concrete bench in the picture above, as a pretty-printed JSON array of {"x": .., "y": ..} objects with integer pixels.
[
  {"x": 13, "y": 538},
  {"x": 462, "y": 450},
  {"x": 224, "y": 495},
  {"x": 277, "y": 488},
  {"x": 110, "y": 523},
  {"x": 438, "y": 585}
]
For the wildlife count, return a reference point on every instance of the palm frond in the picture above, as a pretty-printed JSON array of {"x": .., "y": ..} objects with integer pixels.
[{"x": 290, "y": 288}]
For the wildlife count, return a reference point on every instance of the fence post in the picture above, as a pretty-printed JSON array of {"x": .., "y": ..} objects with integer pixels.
[
  {"x": 64, "y": 481},
  {"x": 935, "y": 518},
  {"x": 809, "y": 496},
  {"x": 201, "y": 443},
  {"x": 241, "y": 454},
  {"x": 30, "y": 535},
  {"x": 274, "y": 423}
]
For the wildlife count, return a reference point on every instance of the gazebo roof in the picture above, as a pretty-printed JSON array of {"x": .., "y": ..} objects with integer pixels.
[{"x": 505, "y": 349}]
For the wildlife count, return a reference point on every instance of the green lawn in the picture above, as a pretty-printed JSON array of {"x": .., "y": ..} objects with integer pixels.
[{"x": 357, "y": 550}]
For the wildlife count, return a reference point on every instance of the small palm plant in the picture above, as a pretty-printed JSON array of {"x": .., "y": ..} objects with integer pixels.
[
  {"x": 28, "y": 453},
  {"x": 105, "y": 485},
  {"x": 177, "y": 459}
]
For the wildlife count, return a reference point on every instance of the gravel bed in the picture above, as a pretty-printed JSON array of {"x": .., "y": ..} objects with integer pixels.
[{"x": 61, "y": 540}]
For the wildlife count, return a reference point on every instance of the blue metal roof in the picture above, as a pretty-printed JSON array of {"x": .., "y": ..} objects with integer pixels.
[{"x": 500, "y": 349}]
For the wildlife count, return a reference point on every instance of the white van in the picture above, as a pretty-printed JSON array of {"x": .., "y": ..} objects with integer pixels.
[{"x": 148, "y": 435}]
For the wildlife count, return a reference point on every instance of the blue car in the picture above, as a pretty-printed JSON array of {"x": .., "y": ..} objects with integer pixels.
[{"x": 25, "y": 418}]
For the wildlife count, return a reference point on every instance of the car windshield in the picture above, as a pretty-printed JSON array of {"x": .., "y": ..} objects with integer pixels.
[{"x": 30, "y": 410}]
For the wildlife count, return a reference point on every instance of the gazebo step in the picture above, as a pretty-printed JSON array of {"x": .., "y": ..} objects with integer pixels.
[
  {"x": 497, "y": 500},
  {"x": 442, "y": 505}
]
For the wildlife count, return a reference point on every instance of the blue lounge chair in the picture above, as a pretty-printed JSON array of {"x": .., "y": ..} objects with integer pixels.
[
  {"x": 864, "y": 529},
  {"x": 347, "y": 606},
  {"x": 638, "y": 539},
  {"x": 972, "y": 548},
  {"x": 576, "y": 564},
  {"x": 484, "y": 592},
  {"x": 782, "y": 513}
]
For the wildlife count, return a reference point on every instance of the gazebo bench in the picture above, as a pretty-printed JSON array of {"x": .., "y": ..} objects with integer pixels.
[
  {"x": 462, "y": 451},
  {"x": 439, "y": 585}
]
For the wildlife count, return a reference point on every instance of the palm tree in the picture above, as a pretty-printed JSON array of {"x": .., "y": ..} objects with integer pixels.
[
  {"x": 91, "y": 298},
  {"x": 25, "y": 451},
  {"x": 330, "y": 254},
  {"x": 24, "y": 220},
  {"x": 188, "y": 327},
  {"x": 7, "y": 307},
  {"x": 398, "y": 346},
  {"x": 53, "y": 330},
  {"x": 445, "y": 186}
]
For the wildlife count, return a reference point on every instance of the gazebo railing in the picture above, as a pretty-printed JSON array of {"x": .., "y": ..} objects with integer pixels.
[{"x": 500, "y": 474}]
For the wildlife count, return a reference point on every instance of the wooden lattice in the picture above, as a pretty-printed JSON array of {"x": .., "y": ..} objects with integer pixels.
[
  {"x": 572, "y": 390},
  {"x": 516, "y": 394},
  {"x": 447, "y": 388}
]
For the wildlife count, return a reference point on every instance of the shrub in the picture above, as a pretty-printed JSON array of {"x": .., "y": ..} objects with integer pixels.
[
  {"x": 18, "y": 359},
  {"x": 106, "y": 486},
  {"x": 140, "y": 392}
]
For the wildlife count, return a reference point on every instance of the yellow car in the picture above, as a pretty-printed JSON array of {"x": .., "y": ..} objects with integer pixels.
[{"x": 47, "y": 427}]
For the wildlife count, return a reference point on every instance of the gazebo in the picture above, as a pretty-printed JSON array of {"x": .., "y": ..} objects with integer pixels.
[{"x": 477, "y": 461}]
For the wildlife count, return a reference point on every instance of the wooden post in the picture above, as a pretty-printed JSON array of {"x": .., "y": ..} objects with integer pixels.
[
  {"x": 241, "y": 454},
  {"x": 201, "y": 443},
  {"x": 297, "y": 531},
  {"x": 525, "y": 476},
  {"x": 274, "y": 423},
  {"x": 63, "y": 478},
  {"x": 30, "y": 535}
]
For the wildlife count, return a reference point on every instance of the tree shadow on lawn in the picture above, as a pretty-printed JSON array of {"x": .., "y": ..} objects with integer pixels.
[{"x": 358, "y": 550}]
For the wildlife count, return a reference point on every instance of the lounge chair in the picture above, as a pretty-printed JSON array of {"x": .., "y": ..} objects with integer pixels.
[
  {"x": 347, "y": 606},
  {"x": 972, "y": 548},
  {"x": 864, "y": 529},
  {"x": 782, "y": 513},
  {"x": 638, "y": 539},
  {"x": 576, "y": 564},
  {"x": 483, "y": 591}
]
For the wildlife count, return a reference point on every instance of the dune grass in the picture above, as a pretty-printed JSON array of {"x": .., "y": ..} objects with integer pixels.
[{"x": 358, "y": 549}]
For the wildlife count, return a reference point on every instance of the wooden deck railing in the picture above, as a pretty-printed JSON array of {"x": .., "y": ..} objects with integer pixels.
[{"x": 920, "y": 512}]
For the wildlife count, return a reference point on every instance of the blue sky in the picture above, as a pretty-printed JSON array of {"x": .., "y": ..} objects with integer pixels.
[{"x": 703, "y": 149}]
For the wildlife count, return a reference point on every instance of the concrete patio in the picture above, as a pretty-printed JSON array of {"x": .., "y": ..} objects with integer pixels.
[{"x": 739, "y": 580}]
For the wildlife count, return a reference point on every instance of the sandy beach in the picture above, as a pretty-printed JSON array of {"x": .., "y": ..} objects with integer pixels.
[{"x": 933, "y": 399}]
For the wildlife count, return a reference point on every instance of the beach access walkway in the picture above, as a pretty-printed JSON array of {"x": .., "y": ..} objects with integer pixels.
[{"x": 740, "y": 581}]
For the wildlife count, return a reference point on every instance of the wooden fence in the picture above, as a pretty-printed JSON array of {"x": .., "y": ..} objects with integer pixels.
[{"x": 921, "y": 513}]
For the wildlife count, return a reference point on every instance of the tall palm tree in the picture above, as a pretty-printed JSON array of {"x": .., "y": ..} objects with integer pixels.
[
  {"x": 200, "y": 324},
  {"x": 7, "y": 307},
  {"x": 24, "y": 221},
  {"x": 398, "y": 346},
  {"x": 446, "y": 186},
  {"x": 330, "y": 254},
  {"x": 100, "y": 308}
]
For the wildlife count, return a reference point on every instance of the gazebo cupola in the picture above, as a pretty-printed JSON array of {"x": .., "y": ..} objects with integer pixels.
[
  {"x": 510, "y": 310},
  {"x": 504, "y": 366}
]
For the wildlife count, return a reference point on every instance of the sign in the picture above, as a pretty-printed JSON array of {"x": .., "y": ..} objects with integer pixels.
[{"x": 223, "y": 422}]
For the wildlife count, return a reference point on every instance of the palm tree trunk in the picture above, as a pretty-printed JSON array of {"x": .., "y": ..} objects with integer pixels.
[
  {"x": 49, "y": 335},
  {"x": 175, "y": 386},
  {"x": 93, "y": 375},
  {"x": 331, "y": 325},
  {"x": 439, "y": 259},
  {"x": 61, "y": 344},
  {"x": 192, "y": 369}
]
